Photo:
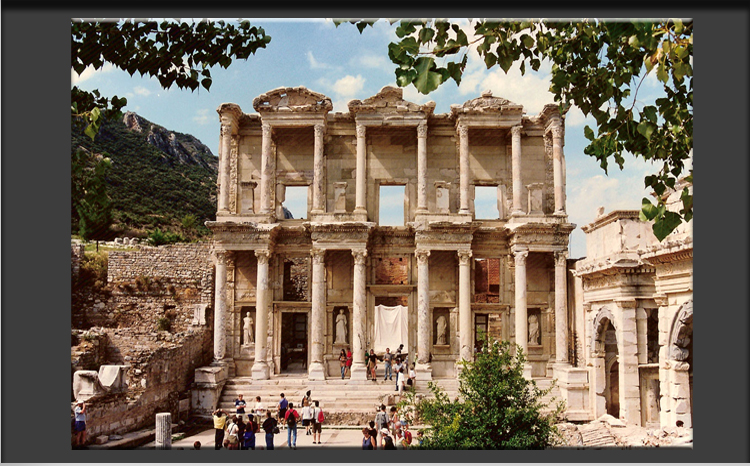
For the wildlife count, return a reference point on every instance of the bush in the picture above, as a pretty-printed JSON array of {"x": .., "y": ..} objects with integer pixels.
[
  {"x": 163, "y": 323},
  {"x": 497, "y": 407},
  {"x": 158, "y": 237},
  {"x": 93, "y": 270}
]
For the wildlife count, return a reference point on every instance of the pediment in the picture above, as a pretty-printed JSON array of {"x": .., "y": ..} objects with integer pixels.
[
  {"x": 486, "y": 103},
  {"x": 390, "y": 100},
  {"x": 292, "y": 99}
]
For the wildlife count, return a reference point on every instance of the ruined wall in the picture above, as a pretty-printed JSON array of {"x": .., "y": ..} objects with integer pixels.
[
  {"x": 76, "y": 256},
  {"x": 158, "y": 378}
]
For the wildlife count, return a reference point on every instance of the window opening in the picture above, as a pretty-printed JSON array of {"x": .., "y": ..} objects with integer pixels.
[{"x": 392, "y": 205}]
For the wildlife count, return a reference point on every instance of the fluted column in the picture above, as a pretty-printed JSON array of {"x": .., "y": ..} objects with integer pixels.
[
  {"x": 361, "y": 192},
  {"x": 266, "y": 170},
  {"x": 226, "y": 144},
  {"x": 163, "y": 431},
  {"x": 464, "y": 304},
  {"x": 522, "y": 333},
  {"x": 463, "y": 167},
  {"x": 516, "y": 169},
  {"x": 319, "y": 199},
  {"x": 557, "y": 168},
  {"x": 220, "y": 306},
  {"x": 260, "y": 369},
  {"x": 423, "y": 315},
  {"x": 317, "y": 370},
  {"x": 561, "y": 308},
  {"x": 422, "y": 168},
  {"x": 359, "y": 370}
]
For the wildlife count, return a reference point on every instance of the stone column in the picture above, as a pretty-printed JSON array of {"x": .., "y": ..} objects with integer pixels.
[
  {"x": 220, "y": 306},
  {"x": 561, "y": 308},
  {"x": 359, "y": 370},
  {"x": 319, "y": 200},
  {"x": 463, "y": 167},
  {"x": 163, "y": 431},
  {"x": 464, "y": 304},
  {"x": 225, "y": 150},
  {"x": 266, "y": 171},
  {"x": 260, "y": 369},
  {"x": 360, "y": 205},
  {"x": 522, "y": 333},
  {"x": 422, "y": 168},
  {"x": 424, "y": 368},
  {"x": 627, "y": 348},
  {"x": 317, "y": 343},
  {"x": 516, "y": 169},
  {"x": 557, "y": 167},
  {"x": 641, "y": 325}
]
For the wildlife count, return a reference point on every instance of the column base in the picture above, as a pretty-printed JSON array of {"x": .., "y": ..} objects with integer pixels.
[
  {"x": 359, "y": 371},
  {"x": 464, "y": 211},
  {"x": 316, "y": 371},
  {"x": 423, "y": 371},
  {"x": 422, "y": 210},
  {"x": 527, "y": 371},
  {"x": 559, "y": 213},
  {"x": 260, "y": 371},
  {"x": 517, "y": 213}
]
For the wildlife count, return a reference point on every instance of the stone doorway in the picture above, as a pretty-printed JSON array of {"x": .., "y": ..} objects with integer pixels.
[{"x": 294, "y": 347}]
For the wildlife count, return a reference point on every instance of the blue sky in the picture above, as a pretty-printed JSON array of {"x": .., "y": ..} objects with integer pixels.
[{"x": 344, "y": 64}]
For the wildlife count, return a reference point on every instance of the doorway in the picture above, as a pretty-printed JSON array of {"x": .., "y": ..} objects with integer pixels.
[{"x": 294, "y": 342}]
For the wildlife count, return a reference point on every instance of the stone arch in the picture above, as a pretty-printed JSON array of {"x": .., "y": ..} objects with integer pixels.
[
  {"x": 681, "y": 333},
  {"x": 597, "y": 336}
]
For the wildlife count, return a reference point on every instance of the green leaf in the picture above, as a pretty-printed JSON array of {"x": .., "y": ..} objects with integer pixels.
[
  {"x": 426, "y": 80},
  {"x": 589, "y": 133},
  {"x": 426, "y": 34},
  {"x": 661, "y": 73},
  {"x": 646, "y": 128},
  {"x": 665, "y": 225},
  {"x": 206, "y": 82},
  {"x": 648, "y": 210}
]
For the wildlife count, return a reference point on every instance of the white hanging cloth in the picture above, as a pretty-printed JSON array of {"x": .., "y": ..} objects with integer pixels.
[{"x": 391, "y": 328}]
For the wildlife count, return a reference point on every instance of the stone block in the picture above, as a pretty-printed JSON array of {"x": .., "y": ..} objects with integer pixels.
[
  {"x": 86, "y": 384},
  {"x": 102, "y": 439},
  {"x": 681, "y": 407},
  {"x": 210, "y": 374}
]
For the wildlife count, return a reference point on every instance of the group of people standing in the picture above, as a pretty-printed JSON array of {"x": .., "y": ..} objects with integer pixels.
[
  {"x": 238, "y": 432},
  {"x": 393, "y": 430},
  {"x": 395, "y": 363}
]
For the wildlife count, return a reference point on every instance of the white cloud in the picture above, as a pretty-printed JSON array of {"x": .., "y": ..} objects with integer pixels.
[
  {"x": 202, "y": 117},
  {"x": 349, "y": 86},
  {"x": 575, "y": 118},
  {"x": 315, "y": 64},
  {"x": 140, "y": 90},
  {"x": 88, "y": 73},
  {"x": 373, "y": 61}
]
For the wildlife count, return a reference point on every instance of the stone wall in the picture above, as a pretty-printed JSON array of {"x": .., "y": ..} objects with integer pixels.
[
  {"x": 76, "y": 255},
  {"x": 157, "y": 382}
]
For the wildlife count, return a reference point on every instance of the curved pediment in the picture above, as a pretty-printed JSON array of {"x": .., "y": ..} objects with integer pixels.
[
  {"x": 390, "y": 100},
  {"x": 486, "y": 103},
  {"x": 292, "y": 99}
]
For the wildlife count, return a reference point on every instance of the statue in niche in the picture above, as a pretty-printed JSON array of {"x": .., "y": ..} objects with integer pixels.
[
  {"x": 441, "y": 327},
  {"x": 533, "y": 329},
  {"x": 341, "y": 327},
  {"x": 247, "y": 334}
]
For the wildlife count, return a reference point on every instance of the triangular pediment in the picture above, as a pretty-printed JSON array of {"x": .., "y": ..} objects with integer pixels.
[{"x": 390, "y": 99}]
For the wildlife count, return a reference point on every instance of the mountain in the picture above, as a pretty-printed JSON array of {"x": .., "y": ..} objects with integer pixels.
[{"x": 157, "y": 177}]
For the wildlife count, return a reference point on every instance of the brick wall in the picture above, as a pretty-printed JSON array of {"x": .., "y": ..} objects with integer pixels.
[{"x": 391, "y": 271}]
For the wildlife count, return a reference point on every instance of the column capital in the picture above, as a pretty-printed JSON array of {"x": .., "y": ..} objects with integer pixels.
[
  {"x": 361, "y": 130},
  {"x": 266, "y": 129},
  {"x": 463, "y": 130},
  {"x": 422, "y": 256},
  {"x": 263, "y": 255},
  {"x": 520, "y": 256},
  {"x": 464, "y": 255},
  {"x": 223, "y": 257},
  {"x": 557, "y": 131},
  {"x": 359, "y": 256},
  {"x": 318, "y": 255},
  {"x": 422, "y": 129},
  {"x": 516, "y": 131},
  {"x": 319, "y": 129},
  {"x": 561, "y": 258},
  {"x": 661, "y": 300}
]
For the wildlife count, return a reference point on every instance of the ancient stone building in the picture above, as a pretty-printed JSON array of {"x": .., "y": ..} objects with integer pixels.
[
  {"x": 292, "y": 292},
  {"x": 636, "y": 319}
]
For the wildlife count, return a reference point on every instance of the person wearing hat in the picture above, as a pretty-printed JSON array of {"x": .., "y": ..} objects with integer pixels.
[
  {"x": 80, "y": 423},
  {"x": 386, "y": 442}
]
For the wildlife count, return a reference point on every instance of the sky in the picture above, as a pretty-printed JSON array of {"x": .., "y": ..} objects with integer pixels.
[{"x": 343, "y": 64}]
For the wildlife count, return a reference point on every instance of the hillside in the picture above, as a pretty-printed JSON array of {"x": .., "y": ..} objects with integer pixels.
[{"x": 157, "y": 176}]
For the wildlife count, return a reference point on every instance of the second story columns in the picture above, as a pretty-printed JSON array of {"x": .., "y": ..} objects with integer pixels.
[
  {"x": 516, "y": 168},
  {"x": 422, "y": 167},
  {"x": 463, "y": 167},
  {"x": 360, "y": 205},
  {"x": 319, "y": 200}
]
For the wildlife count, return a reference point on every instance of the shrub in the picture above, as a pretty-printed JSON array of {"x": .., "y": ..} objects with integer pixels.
[
  {"x": 163, "y": 323},
  {"x": 93, "y": 270},
  {"x": 158, "y": 237}
]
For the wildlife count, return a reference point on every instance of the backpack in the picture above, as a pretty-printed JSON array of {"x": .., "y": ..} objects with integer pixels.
[
  {"x": 381, "y": 420},
  {"x": 389, "y": 444},
  {"x": 407, "y": 437},
  {"x": 321, "y": 417},
  {"x": 291, "y": 418}
]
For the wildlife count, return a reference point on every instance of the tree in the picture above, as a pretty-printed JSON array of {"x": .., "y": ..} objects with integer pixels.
[
  {"x": 497, "y": 407},
  {"x": 598, "y": 67},
  {"x": 175, "y": 52},
  {"x": 93, "y": 205}
]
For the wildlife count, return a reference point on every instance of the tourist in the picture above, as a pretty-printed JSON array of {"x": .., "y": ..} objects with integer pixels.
[
  {"x": 291, "y": 416},
  {"x": 307, "y": 416},
  {"x": 412, "y": 380},
  {"x": 397, "y": 368},
  {"x": 239, "y": 406},
  {"x": 241, "y": 432},
  {"x": 374, "y": 434},
  {"x": 406, "y": 437},
  {"x": 220, "y": 421},
  {"x": 388, "y": 361},
  {"x": 393, "y": 419},
  {"x": 398, "y": 354},
  {"x": 381, "y": 419},
  {"x": 305, "y": 399},
  {"x": 260, "y": 411},
  {"x": 248, "y": 436},
  {"x": 80, "y": 423},
  {"x": 386, "y": 443},
  {"x": 367, "y": 442},
  {"x": 401, "y": 381},
  {"x": 342, "y": 363},
  {"x": 281, "y": 409},
  {"x": 270, "y": 426},
  {"x": 233, "y": 438},
  {"x": 397, "y": 433},
  {"x": 317, "y": 422},
  {"x": 349, "y": 360},
  {"x": 372, "y": 364},
  {"x": 197, "y": 445},
  {"x": 420, "y": 437}
]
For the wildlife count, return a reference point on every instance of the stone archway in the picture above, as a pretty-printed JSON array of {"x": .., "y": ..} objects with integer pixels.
[
  {"x": 681, "y": 366},
  {"x": 604, "y": 357}
]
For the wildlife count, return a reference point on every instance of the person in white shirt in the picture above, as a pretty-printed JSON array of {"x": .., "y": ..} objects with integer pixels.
[
  {"x": 401, "y": 381},
  {"x": 307, "y": 415},
  {"x": 412, "y": 377},
  {"x": 259, "y": 410}
]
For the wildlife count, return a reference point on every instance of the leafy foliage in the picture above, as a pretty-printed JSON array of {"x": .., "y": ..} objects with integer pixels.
[
  {"x": 148, "y": 188},
  {"x": 158, "y": 237},
  {"x": 93, "y": 271},
  {"x": 597, "y": 66},
  {"x": 174, "y": 52},
  {"x": 497, "y": 407},
  {"x": 91, "y": 203}
]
